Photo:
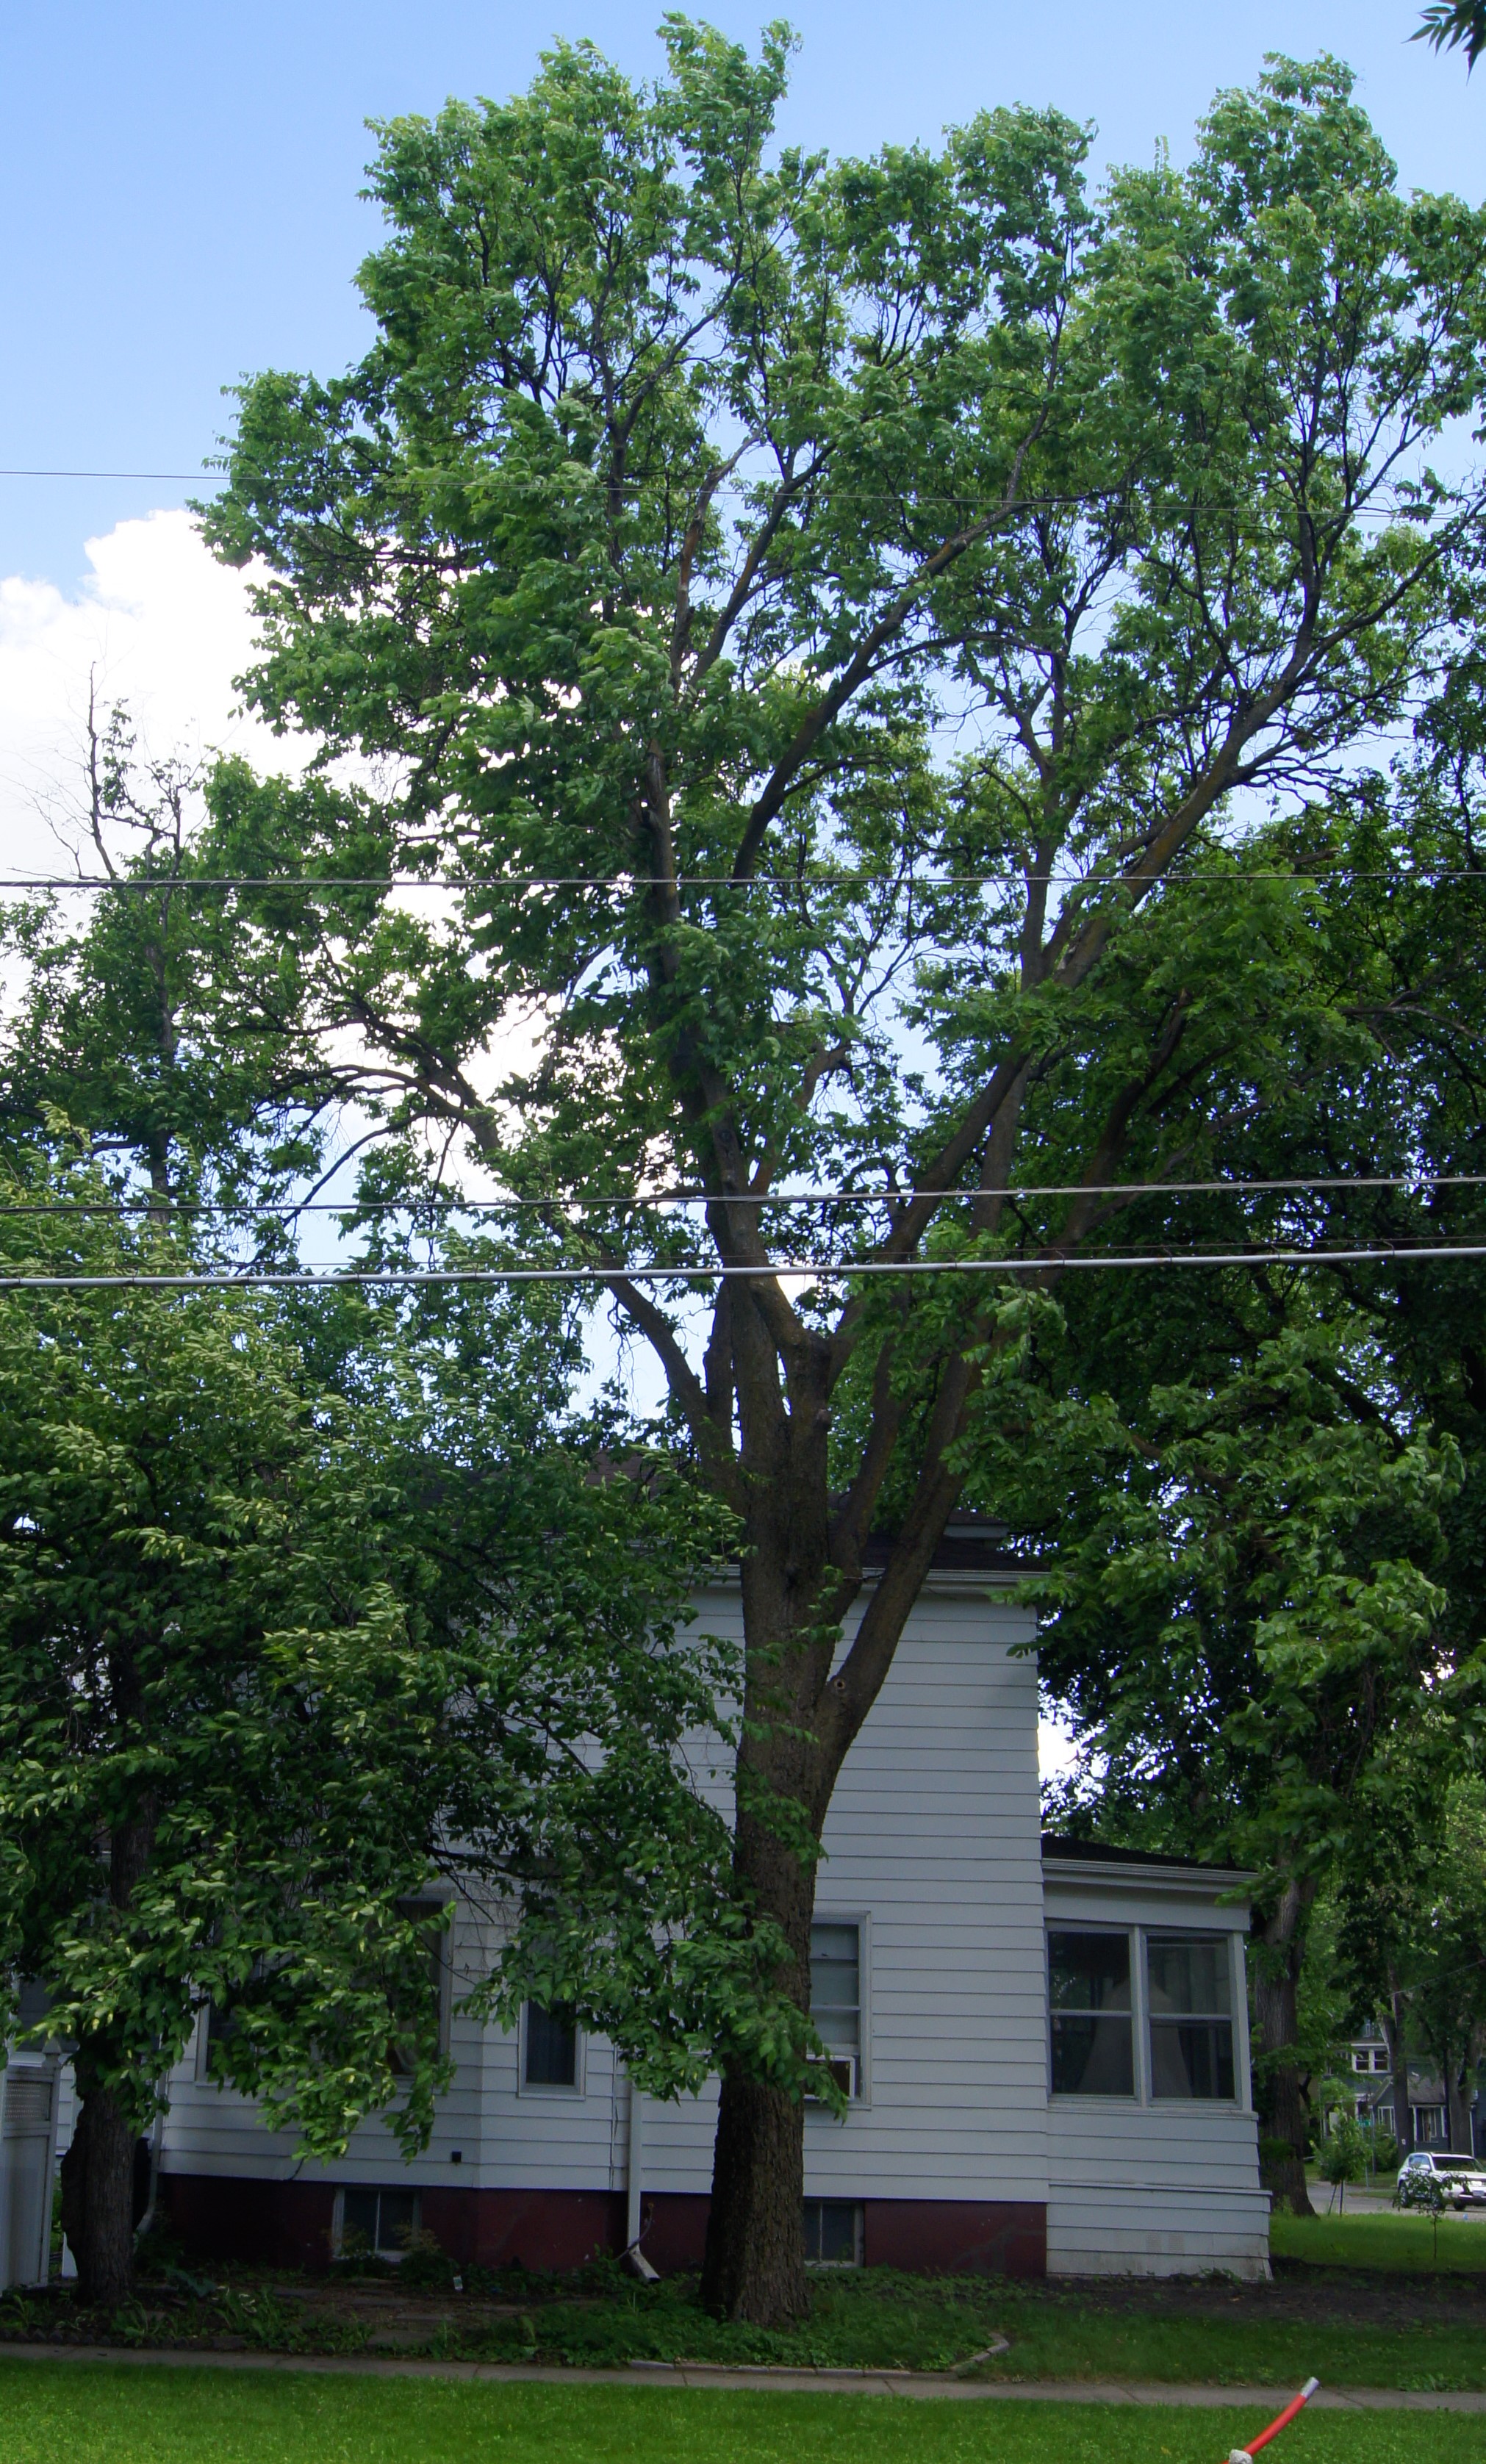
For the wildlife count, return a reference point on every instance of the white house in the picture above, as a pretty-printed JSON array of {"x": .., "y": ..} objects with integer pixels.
[{"x": 1046, "y": 2047}]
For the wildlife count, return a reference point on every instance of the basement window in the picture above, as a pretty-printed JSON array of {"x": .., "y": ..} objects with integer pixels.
[
  {"x": 379, "y": 2221},
  {"x": 833, "y": 2233}
]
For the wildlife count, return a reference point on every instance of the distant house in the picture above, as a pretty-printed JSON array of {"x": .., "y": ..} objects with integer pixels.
[
  {"x": 1375, "y": 2101},
  {"x": 1044, "y": 2045}
]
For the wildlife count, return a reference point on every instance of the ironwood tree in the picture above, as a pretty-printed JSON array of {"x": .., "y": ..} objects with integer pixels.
[{"x": 768, "y": 633}]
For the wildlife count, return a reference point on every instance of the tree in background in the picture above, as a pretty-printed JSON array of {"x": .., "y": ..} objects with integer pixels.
[
  {"x": 691, "y": 505},
  {"x": 1412, "y": 1947}
]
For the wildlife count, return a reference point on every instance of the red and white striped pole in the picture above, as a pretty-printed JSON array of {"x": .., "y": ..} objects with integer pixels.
[{"x": 1281, "y": 2420}]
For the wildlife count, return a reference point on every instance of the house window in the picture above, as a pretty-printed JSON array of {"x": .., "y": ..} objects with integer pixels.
[
  {"x": 430, "y": 1917},
  {"x": 836, "y": 1996},
  {"x": 1189, "y": 1999},
  {"x": 833, "y": 2233},
  {"x": 549, "y": 2049},
  {"x": 380, "y": 2221},
  {"x": 1089, "y": 2003}
]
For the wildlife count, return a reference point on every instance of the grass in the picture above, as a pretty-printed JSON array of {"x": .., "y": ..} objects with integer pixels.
[
  {"x": 83, "y": 2414},
  {"x": 1399, "y": 2244},
  {"x": 879, "y": 2320}
]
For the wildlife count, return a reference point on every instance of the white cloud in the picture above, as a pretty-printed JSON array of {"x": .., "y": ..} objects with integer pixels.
[{"x": 163, "y": 627}]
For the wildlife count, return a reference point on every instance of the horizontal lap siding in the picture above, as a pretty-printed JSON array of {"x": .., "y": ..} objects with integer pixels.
[
  {"x": 1094, "y": 2229},
  {"x": 1135, "y": 2146},
  {"x": 934, "y": 1835},
  {"x": 934, "y": 1830}
]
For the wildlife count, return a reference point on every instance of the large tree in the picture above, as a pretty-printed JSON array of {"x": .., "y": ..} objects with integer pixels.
[{"x": 810, "y": 615}]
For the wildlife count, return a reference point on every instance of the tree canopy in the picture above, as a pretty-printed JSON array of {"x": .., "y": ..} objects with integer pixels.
[{"x": 809, "y": 668}]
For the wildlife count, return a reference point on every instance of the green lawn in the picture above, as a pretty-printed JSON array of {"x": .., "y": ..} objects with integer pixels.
[
  {"x": 1404, "y": 2243},
  {"x": 58, "y": 2412},
  {"x": 1214, "y": 2334}
]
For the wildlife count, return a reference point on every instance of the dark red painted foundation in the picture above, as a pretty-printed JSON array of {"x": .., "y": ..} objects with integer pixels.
[{"x": 288, "y": 2224}]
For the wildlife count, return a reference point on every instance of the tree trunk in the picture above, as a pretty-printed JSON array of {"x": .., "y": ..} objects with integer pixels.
[
  {"x": 754, "y": 2267},
  {"x": 1282, "y": 2090},
  {"x": 755, "y": 2259},
  {"x": 1458, "y": 2071},
  {"x": 97, "y": 2192},
  {"x": 1393, "y": 2029}
]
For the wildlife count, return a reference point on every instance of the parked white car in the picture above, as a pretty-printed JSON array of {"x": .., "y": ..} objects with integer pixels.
[{"x": 1462, "y": 2178}]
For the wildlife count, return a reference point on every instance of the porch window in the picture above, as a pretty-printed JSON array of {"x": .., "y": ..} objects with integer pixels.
[
  {"x": 1089, "y": 2001},
  {"x": 1190, "y": 1998}
]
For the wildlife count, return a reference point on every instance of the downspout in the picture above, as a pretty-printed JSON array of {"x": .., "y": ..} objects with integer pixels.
[{"x": 634, "y": 2177}]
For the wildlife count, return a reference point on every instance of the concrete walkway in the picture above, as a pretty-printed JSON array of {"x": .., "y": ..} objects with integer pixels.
[{"x": 773, "y": 2381}]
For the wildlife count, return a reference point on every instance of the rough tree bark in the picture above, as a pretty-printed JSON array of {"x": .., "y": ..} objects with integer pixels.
[
  {"x": 98, "y": 2169},
  {"x": 97, "y": 2186},
  {"x": 1282, "y": 2089}
]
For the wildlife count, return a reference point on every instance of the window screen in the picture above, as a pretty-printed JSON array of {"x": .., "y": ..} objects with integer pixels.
[
  {"x": 836, "y": 1984},
  {"x": 833, "y": 2233},
  {"x": 551, "y": 2056},
  {"x": 1089, "y": 2000},
  {"x": 1189, "y": 1997}
]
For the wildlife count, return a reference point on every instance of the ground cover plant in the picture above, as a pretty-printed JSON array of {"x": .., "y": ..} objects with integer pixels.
[
  {"x": 1354, "y": 2329},
  {"x": 110, "y": 2415}
]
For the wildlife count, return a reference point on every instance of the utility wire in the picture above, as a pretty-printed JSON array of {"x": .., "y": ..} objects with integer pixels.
[
  {"x": 623, "y": 885},
  {"x": 818, "y": 1270},
  {"x": 449, "y": 1203},
  {"x": 357, "y": 482}
]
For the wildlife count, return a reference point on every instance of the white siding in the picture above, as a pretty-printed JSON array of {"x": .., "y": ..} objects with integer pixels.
[
  {"x": 1154, "y": 2189},
  {"x": 933, "y": 1842}
]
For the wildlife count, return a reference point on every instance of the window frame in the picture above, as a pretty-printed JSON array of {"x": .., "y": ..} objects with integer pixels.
[
  {"x": 552, "y": 2088},
  {"x": 861, "y": 1918},
  {"x": 1077, "y": 2098},
  {"x": 392, "y": 2257},
  {"x": 1238, "y": 2033},
  {"x": 1140, "y": 1935},
  {"x": 859, "y": 2232}
]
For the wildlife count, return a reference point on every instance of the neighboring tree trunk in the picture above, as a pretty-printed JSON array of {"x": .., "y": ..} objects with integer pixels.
[
  {"x": 1281, "y": 2088},
  {"x": 98, "y": 2169},
  {"x": 97, "y": 2190},
  {"x": 1394, "y": 2029}
]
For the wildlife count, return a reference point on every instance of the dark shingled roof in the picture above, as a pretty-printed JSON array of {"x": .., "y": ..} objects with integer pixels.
[{"x": 1057, "y": 1845}]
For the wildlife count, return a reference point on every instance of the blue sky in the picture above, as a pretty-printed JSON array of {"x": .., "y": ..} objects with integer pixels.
[{"x": 178, "y": 183}]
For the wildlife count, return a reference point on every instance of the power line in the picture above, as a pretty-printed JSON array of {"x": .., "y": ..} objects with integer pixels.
[
  {"x": 331, "y": 1279},
  {"x": 623, "y": 885},
  {"x": 451, "y": 1204},
  {"x": 360, "y": 481}
]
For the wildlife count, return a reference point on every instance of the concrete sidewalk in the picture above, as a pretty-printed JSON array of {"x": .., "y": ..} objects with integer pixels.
[{"x": 773, "y": 2381}]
